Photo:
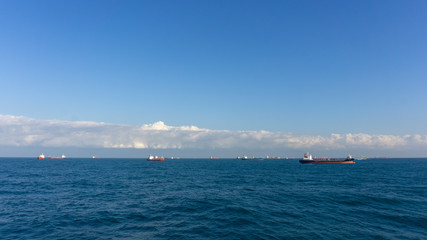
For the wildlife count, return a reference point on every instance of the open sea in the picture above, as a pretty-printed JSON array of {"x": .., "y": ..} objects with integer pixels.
[{"x": 212, "y": 199}]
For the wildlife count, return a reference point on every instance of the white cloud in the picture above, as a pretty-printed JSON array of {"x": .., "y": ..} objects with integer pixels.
[{"x": 23, "y": 131}]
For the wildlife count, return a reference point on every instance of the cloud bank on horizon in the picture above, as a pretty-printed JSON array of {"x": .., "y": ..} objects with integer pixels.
[{"x": 23, "y": 131}]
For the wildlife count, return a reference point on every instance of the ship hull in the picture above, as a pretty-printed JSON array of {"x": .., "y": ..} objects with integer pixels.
[
  {"x": 325, "y": 162},
  {"x": 156, "y": 159}
]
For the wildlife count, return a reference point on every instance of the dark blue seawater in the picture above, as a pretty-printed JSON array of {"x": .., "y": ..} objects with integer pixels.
[{"x": 212, "y": 199}]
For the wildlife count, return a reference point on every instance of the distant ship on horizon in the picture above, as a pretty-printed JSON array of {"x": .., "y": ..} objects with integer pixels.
[
  {"x": 252, "y": 158},
  {"x": 155, "y": 158},
  {"x": 308, "y": 158},
  {"x": 61, "y": 157}
]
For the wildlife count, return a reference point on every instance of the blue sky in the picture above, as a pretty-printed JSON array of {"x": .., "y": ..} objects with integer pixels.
[{"x": 301, "y": 67}]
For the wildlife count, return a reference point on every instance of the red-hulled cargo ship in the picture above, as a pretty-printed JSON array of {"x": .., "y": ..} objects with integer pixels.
[{"x": 155, "y": 158}]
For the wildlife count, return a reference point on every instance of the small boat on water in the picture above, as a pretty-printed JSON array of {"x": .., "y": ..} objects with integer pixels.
[
  {"x": 41, "y": 157},
  {"x": 309, "y": 159},
  {"x": 155, "y": 158}
]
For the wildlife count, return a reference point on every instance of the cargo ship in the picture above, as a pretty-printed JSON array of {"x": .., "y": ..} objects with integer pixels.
[
  {"x": 252, "y": 158},
  {"x": 41, "y": 157},
  {"x": 155, "y": 158},
  {"x": 309, "y": 159},
  {"x": 61, "y": 157}
]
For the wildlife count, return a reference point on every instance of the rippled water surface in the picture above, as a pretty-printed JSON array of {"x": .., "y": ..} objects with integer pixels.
[{"x": 212, "y": 199}]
